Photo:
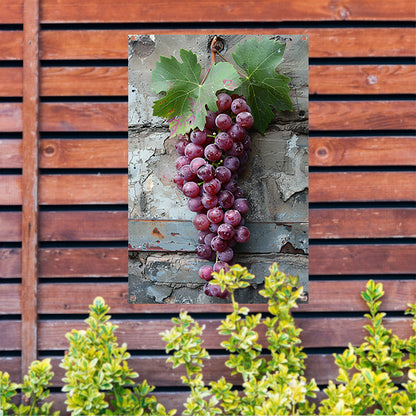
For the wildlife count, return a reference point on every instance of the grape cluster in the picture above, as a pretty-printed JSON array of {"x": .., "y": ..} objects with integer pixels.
[{"x": 208, "y": 165}]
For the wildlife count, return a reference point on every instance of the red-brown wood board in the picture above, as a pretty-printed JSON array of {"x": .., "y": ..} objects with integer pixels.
[{"x": 362, "y": 159}]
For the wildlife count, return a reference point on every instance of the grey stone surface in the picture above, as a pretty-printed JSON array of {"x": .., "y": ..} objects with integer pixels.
[{"x": 275, "y": 182}]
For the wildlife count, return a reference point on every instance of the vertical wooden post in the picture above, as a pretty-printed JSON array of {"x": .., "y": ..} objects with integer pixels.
[{"x": 30, "y": 181}]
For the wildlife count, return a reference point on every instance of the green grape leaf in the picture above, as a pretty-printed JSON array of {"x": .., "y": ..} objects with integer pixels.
[
  {"x": 186, "y": 100},
  {"x": 263, "y": 87}
]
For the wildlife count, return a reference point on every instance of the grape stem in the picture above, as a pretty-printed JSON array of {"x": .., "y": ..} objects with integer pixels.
[{"x": 214, "y": 41}]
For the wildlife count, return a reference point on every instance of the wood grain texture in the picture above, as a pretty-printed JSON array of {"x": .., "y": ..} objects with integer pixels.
[
  {"x": 362, "y": 223},
  {"x": 11, "y": 11},
  {"x": 362, "y": 186},
  {"x": 83, "y": 153},
  {"x": 11, "y": 45},
  {"x": 10, "y": 300},
  {"x": 325, "y": 296},
  {"x": 11, "y": 82},
  {"x": 83, "y": 81},
  {"x": 362, "y": 151},
  {"x": 323, "y": 43},
  {"x": 112, "y": 262},
  {"x": 83, "y": 117},
  {"x": 144, "y": 334},
  {"x": 11, "y": 117},
  {"x": 362, "y": 259},
  {"x": 362, "y": 115},
  {"x": 188, "y": 11},
  {"x": 14, "y": 335},
  {"x": 362, "y": 79},
  {"x": 10, "y": 153}
]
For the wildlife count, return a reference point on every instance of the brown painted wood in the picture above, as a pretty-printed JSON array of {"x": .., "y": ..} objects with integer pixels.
[
  {"x": 362, "y": 115},
  {"x": 84, "y": 81},
  {"x": 83, "y": 117},
  {"x": 362, "y": 79},
  {"x": 323, "y": 43},
  {"x": 362, "y": 186},
  {"x": 13, "y": 340},
  {"x": 10, "y": 226},
  {"x": 11, "y": 45},
  {"x": 11, "y": 81},
  {"x": 362, "y": 259},
  {"x": 10, "y": 153},
  {"x": 83, "y": 153},
  {"x": 145, "y": 334},
  {"x": 30, "y": 179},
  {"x": 11, "y": 117},
  {"x": 279, "y": 10},
  {"x": 325, "y": 296},
  {"x": 10, "y": 301},
  {"x": 10, "y": 262},
  {"x": 11, "y": 11},
  {"x": 362, "y": 223},
  {"x": 362, "y": 151}
]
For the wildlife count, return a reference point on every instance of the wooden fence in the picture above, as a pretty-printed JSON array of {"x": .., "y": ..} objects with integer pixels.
[{"x": 63, "y": 161}]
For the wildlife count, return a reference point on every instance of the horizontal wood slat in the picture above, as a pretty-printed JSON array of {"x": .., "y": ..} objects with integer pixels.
[
  {"x": 112, "y": 262},
  {"x": 362, "y": 186},
  {"x": 10, "y": 299},
  {"x": 362, "y": 223},
  {"x": 161, "y": 11},
  {"x": 324, "y": 115},
  {"x": 362, "y": 79},
  {"x": 323, "y": 43},
  {"x": 112, "y": 225},
  {"x": 325, "y": 296},
  {"x": 112, "y": 189},
  {"x": 362, "y": 259},
  {"x": 362, "y": 115},
  {"x": 11, "y": 45},
  {"x": 10, "y": 153},
  {"x": 69, "y": 189},
  {"x": 11, "y": 11},
  {"x": 84, "y": 81},
  {"x": 11, "y": 82},
  {"x": 14, "y": 335},
  {"x": 144, "y": 334},
  {"x": 362, "y": 151}
]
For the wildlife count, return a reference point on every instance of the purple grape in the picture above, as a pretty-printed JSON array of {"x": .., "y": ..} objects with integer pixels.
[
  {"x": 205, "y": 272},
  {"x": 178, "y": 180},
  {"x": 213, "y": 227},
  {"x": 241, "y": 204},
  {"x": 208, "y": 238},
  {"x": 223, "y": 174},
  {"x": 206, "y": 173},
  {"x": 236, "y": 132},
  {"x": 190, "y": 189},
  {"x": 201, "y": 236},
  {"x": 224, "y": 101},
  {"x": 223, "y": 140},
  {"x": 182, "y": 161},
  {"x": 242, "y": 234},
  {"x": 226, "y": 255},
  {"x": 221, "y": 265},
  {"x": 243, "y": 157},
  {"x": 223, "y": 121},
  {"x": 203, "y": 252},
  {"x": 245, "y": 119},
  {"x": 247, "y": 142},
  {"x": 232, "y": 163},
  {"x": 226, "y": 232},
  {"x": 215, "y": 215},
  {"x": 198, "y": 137},
  {"x": 225, "y": 199},
  {"x": 201, "y": 222},
  {"x": 232, "y": 217},
  {"x": 236, "y": 149},
  {"x": 212, "y": 153},
  {"x": 231, "y": 185},
  {"x": 231, "y": 242},
  {"x": 180, "y": 146},
  {"x": 212, "y": 187},
  {"x": 238, "y": 105},
  {"x": 218, "y": 244},
  {"x": 193, "y": 150},
  {"x": 195, "y": 204},
  {"x": 210, "y": 120},
  {"x": 196, "y": 163},
  {"x": 209, "y": 201},
  {"x": 238, "y": 193},
  {"x": 186, "y": 173}
]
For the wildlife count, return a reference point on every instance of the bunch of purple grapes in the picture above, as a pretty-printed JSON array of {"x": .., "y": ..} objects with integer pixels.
[{"x": 209, "y": 163}]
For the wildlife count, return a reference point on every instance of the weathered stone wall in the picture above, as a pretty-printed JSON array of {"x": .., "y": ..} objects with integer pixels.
[{"x": 163, "y": 268}]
